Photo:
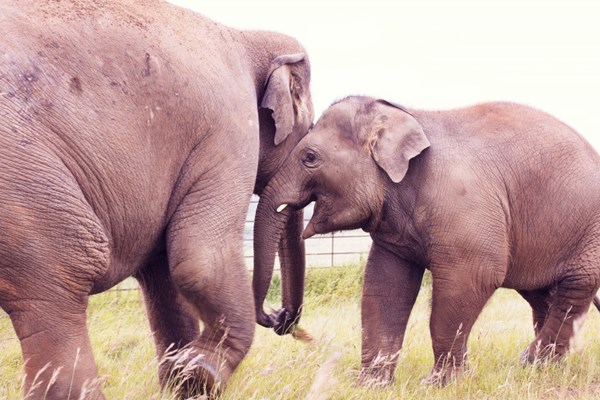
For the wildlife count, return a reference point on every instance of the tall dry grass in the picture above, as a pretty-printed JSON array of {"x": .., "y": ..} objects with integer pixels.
[{"x": 284, "y": 368}]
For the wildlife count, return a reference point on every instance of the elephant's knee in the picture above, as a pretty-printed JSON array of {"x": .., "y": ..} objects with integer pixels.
[{"x": 189, "y": 277}]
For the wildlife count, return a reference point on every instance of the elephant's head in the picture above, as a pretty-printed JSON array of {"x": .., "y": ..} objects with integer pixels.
[
  {"x": 286, "y": 114},
  {"x": 344, "y": 164}
]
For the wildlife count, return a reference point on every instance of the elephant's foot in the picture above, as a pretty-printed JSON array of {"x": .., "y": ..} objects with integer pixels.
[
  {"x": 539, "y": 352},
  {"x": 196, "y": 373},
  {"x": 197, "y": 378},
  {"x": 378, "y": 373},
  {"x": 370, "y": 379},
  {"x": 443, "y": 376}
]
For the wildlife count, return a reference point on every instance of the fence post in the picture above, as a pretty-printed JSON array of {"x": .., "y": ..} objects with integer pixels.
[{"x": 332, "y": 248}]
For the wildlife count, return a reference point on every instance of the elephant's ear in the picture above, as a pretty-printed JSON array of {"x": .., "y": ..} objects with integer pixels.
[
  {"x": 283, "y": 94},
  {"x": 395, "y": 139}
]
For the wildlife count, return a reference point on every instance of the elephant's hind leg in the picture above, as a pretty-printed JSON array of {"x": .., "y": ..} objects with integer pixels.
[
  {"x": 46, "y": 298},
  {"x": 56, "y": 348},
  {"x": 52, "y": 249},
  {"x": 539, "y": 300},
  {"x": 204, "y": 246},
  {"x": 568, "y": 306}
]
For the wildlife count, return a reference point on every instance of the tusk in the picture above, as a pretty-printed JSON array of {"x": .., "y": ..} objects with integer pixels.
[{"x": 281, "y": 207}]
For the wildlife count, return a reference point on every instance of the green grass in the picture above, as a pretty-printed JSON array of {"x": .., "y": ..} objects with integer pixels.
[{"x": 284, "y": 368}]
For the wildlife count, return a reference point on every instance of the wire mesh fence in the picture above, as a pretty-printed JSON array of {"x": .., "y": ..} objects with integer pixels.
[{"x": 322, "y": 251}]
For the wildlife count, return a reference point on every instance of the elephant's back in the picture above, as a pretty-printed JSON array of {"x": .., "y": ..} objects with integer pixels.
[
  {"x": 152, "y": 23},
  {"x": 531, "y": 146},
  {"x": 508, "y": 136},
  {"x": 126, "y": 54}
]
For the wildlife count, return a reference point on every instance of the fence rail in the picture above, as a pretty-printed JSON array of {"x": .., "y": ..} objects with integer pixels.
[{"x": 322, "y": 251}]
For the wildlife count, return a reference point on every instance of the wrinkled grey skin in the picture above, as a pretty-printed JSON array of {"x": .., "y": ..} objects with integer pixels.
[
  {"x": 495, "y": 195},
  {"x": 130, "y": 135}
]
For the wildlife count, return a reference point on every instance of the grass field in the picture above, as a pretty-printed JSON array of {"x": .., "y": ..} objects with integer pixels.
[{"x": 284, "y": 368}]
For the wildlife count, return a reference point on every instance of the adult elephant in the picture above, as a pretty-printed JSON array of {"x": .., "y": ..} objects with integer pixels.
[
  {"x": 495, "y": 195},
  {"x": 130, "y": 135}
]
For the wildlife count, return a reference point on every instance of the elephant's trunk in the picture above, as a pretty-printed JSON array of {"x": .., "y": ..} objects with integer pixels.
[
  {"x": 292, "y": 260},
  {"x": 268, "y": 227}
]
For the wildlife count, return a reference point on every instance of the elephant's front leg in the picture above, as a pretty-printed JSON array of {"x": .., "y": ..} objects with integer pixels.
[
  {"x": 172, "y": 320},
  {"x": 457, "y": 300},
  {"x": 204, "y": 247},
  {"x": 390, "y": 289}
]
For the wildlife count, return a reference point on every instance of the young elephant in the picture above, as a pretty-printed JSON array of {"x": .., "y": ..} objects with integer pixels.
[{"x": 495, "y": 195}]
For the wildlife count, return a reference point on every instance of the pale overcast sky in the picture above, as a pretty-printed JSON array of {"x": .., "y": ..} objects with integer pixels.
[{"x": 442, "y": 54}]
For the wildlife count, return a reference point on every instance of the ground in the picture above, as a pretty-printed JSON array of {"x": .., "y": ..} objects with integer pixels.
[{"x": 285, "y": 368}]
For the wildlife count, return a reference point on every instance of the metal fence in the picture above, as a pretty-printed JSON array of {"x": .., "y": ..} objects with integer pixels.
[{"x": 322, "y": 251}]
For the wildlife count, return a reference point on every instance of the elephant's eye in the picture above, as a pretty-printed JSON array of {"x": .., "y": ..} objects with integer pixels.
[{"x": 309, "y": 159}]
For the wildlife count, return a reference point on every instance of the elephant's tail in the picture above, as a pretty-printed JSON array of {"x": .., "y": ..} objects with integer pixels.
[{"x": 597, "y": 302}]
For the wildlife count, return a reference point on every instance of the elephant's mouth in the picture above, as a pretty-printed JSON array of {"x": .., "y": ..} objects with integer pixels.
[
  {"x": 317, "y": 222},
  {"x": 295, "y": 206},
  {"x": 327, "y": 218},
  {"x": 311, "y": 229}
]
